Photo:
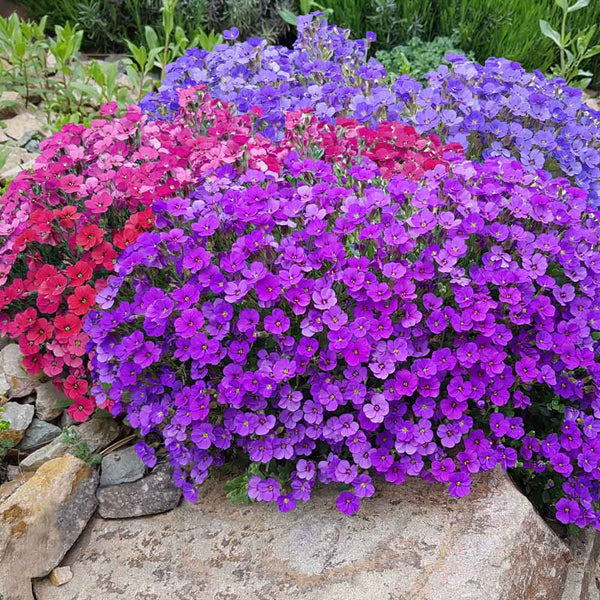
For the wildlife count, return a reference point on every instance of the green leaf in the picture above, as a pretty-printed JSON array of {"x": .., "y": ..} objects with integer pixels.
[
  {"x": 564, "y": 4},
  {"x": 288, "y": 16},
  {"x": 578, "y": 5},
  {"x": 62, "y": 404},
  {"x": 593, "y": 51},
  {"x": 550, "y": 33},
  {"x": 151, "y": 37}
]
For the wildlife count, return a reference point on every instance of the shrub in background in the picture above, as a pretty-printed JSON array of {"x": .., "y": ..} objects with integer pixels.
[
  {"x": 417, "y": 58},
  {"x": 334, "y": 315}
]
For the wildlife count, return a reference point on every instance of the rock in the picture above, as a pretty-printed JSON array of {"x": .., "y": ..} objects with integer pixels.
[
  {"x": 592, "y": 101},
  {"x": 21, "y": 125},
  {"x": 9, "y": 487},
  {"x": 60, "y": 576},
  {"x": 4, "y": 387},
  {"x": 38, "y": 434},
  {"x": 582, "y": 582},
  {"x": 4, "y": 340},
  {"x": 411, "y": 542},
  {"x": 19, "y": 417},
  {"x": 32, "y": 146},
  {"x": 122, "y": 466},
  {"x": 46, "y": 399},
  {"x": 12, "y": 472},
  {"x": 41, "y": 520},
  {"x": 20, "y": 381},
  {"x": 98, "y": 433},
  {"x": 153, "y": 494},
  {"x": 11, "y": 104},
  {"x": 66, "y": 420},
  {"x": 19, "y": 159}
]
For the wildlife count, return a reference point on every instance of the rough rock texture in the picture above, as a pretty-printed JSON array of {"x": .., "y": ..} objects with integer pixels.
[
  {"x": 4, "y": 387},
  {"x": 19, "y": 417},
  {"x": 413, "y": 542},
  {"x": 582, "y": 576},
  {"x": 41, "y": 520},
  {"x": 153, "y": 494},
  {"x": 21, "y": 125},
  {"x": 97, "y": 432},
  {"x": 19, "y": 159},
  {"x": 11, "y": 104},
  {"x": 11, "y": 486},
  {"x": 122, "y": 466},
  {"x": 46, "y": 398},
  {"x": 20, "y": 381},
  {"x": 38, "y": 434}
]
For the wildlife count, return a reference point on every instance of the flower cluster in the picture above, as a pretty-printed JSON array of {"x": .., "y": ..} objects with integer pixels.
[
  {"x": 494, "y": 110},
  {"x": 332, "y": 318},
  {"x": 63, "y": 225}
]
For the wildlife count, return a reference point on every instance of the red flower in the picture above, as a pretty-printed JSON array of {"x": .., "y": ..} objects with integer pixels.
[
  {"x": 40, "y": 331},
  {"x": 53, "y": 286},
  {"x": 48, "y": 305},
  {"x": 82, "y": 300},
  {"x": 81, "y": 409},
  {"x": 33, "y": 363},
  {"x": 66, "y": 326},
  {"x": 68, "y": 216},
  {"x": 79, "y": 273},
  {"x": 89, "y": 236},
  {"x": 26, "y": 319},
  {"x": 74, "y": 387},
  {"x": 28, "y": 347},
  {"x": 52, "y": 365}
]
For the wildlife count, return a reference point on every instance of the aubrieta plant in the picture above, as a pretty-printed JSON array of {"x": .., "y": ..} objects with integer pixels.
[
  {"x": 324, "y": 319},
  {"x": 494, "y": 110},
  {"x": 61, "y": 228}
]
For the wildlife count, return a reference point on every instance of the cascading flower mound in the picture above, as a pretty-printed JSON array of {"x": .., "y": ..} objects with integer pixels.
[
  {"x": 333, "y": 316},
  {"x": 494, "y": 110}
]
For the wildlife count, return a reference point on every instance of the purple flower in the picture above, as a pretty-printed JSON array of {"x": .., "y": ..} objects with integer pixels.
[{"x": 348, "y": 503}]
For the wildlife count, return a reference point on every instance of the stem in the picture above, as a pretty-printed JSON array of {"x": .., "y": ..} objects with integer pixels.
[
  {"x": 26, "y": 74},
  {"x": 165, "y": 53},
  {"x": 562, "y": 43}
]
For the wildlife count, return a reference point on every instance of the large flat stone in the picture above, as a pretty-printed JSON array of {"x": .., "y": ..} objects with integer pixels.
[
  {"x": 40, "y": 521},
  {"x": 413, "y": 542},
  {"x": 582, "y": 576}
]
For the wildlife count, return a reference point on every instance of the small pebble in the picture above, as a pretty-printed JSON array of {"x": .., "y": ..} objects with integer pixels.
[{"x": 60, "y": 576}]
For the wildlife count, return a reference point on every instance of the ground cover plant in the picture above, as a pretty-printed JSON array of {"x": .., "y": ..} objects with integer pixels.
[
  {"x": 317, "y": 285},
  {"x": 494, "y": 109},
  {"x": 328, "y": 318}
]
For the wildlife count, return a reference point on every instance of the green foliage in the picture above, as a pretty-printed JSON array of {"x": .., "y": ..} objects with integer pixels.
[
  {"x": 79, "y": 448},
  {"x": 574, "y": 48},
  {"x": 418, "y": 57},
  {"x": 49, "y": 70},
  {"x": 305, "y": 7},
  {"x": 5, "y": 445},
  {"x": 511, "y": 29},
  {"x": 396, "y": 22},
  {"x": 71, "y": 89}
]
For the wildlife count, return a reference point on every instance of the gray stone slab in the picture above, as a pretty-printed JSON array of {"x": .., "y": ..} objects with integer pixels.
[{"x": 411, "y": 542}]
